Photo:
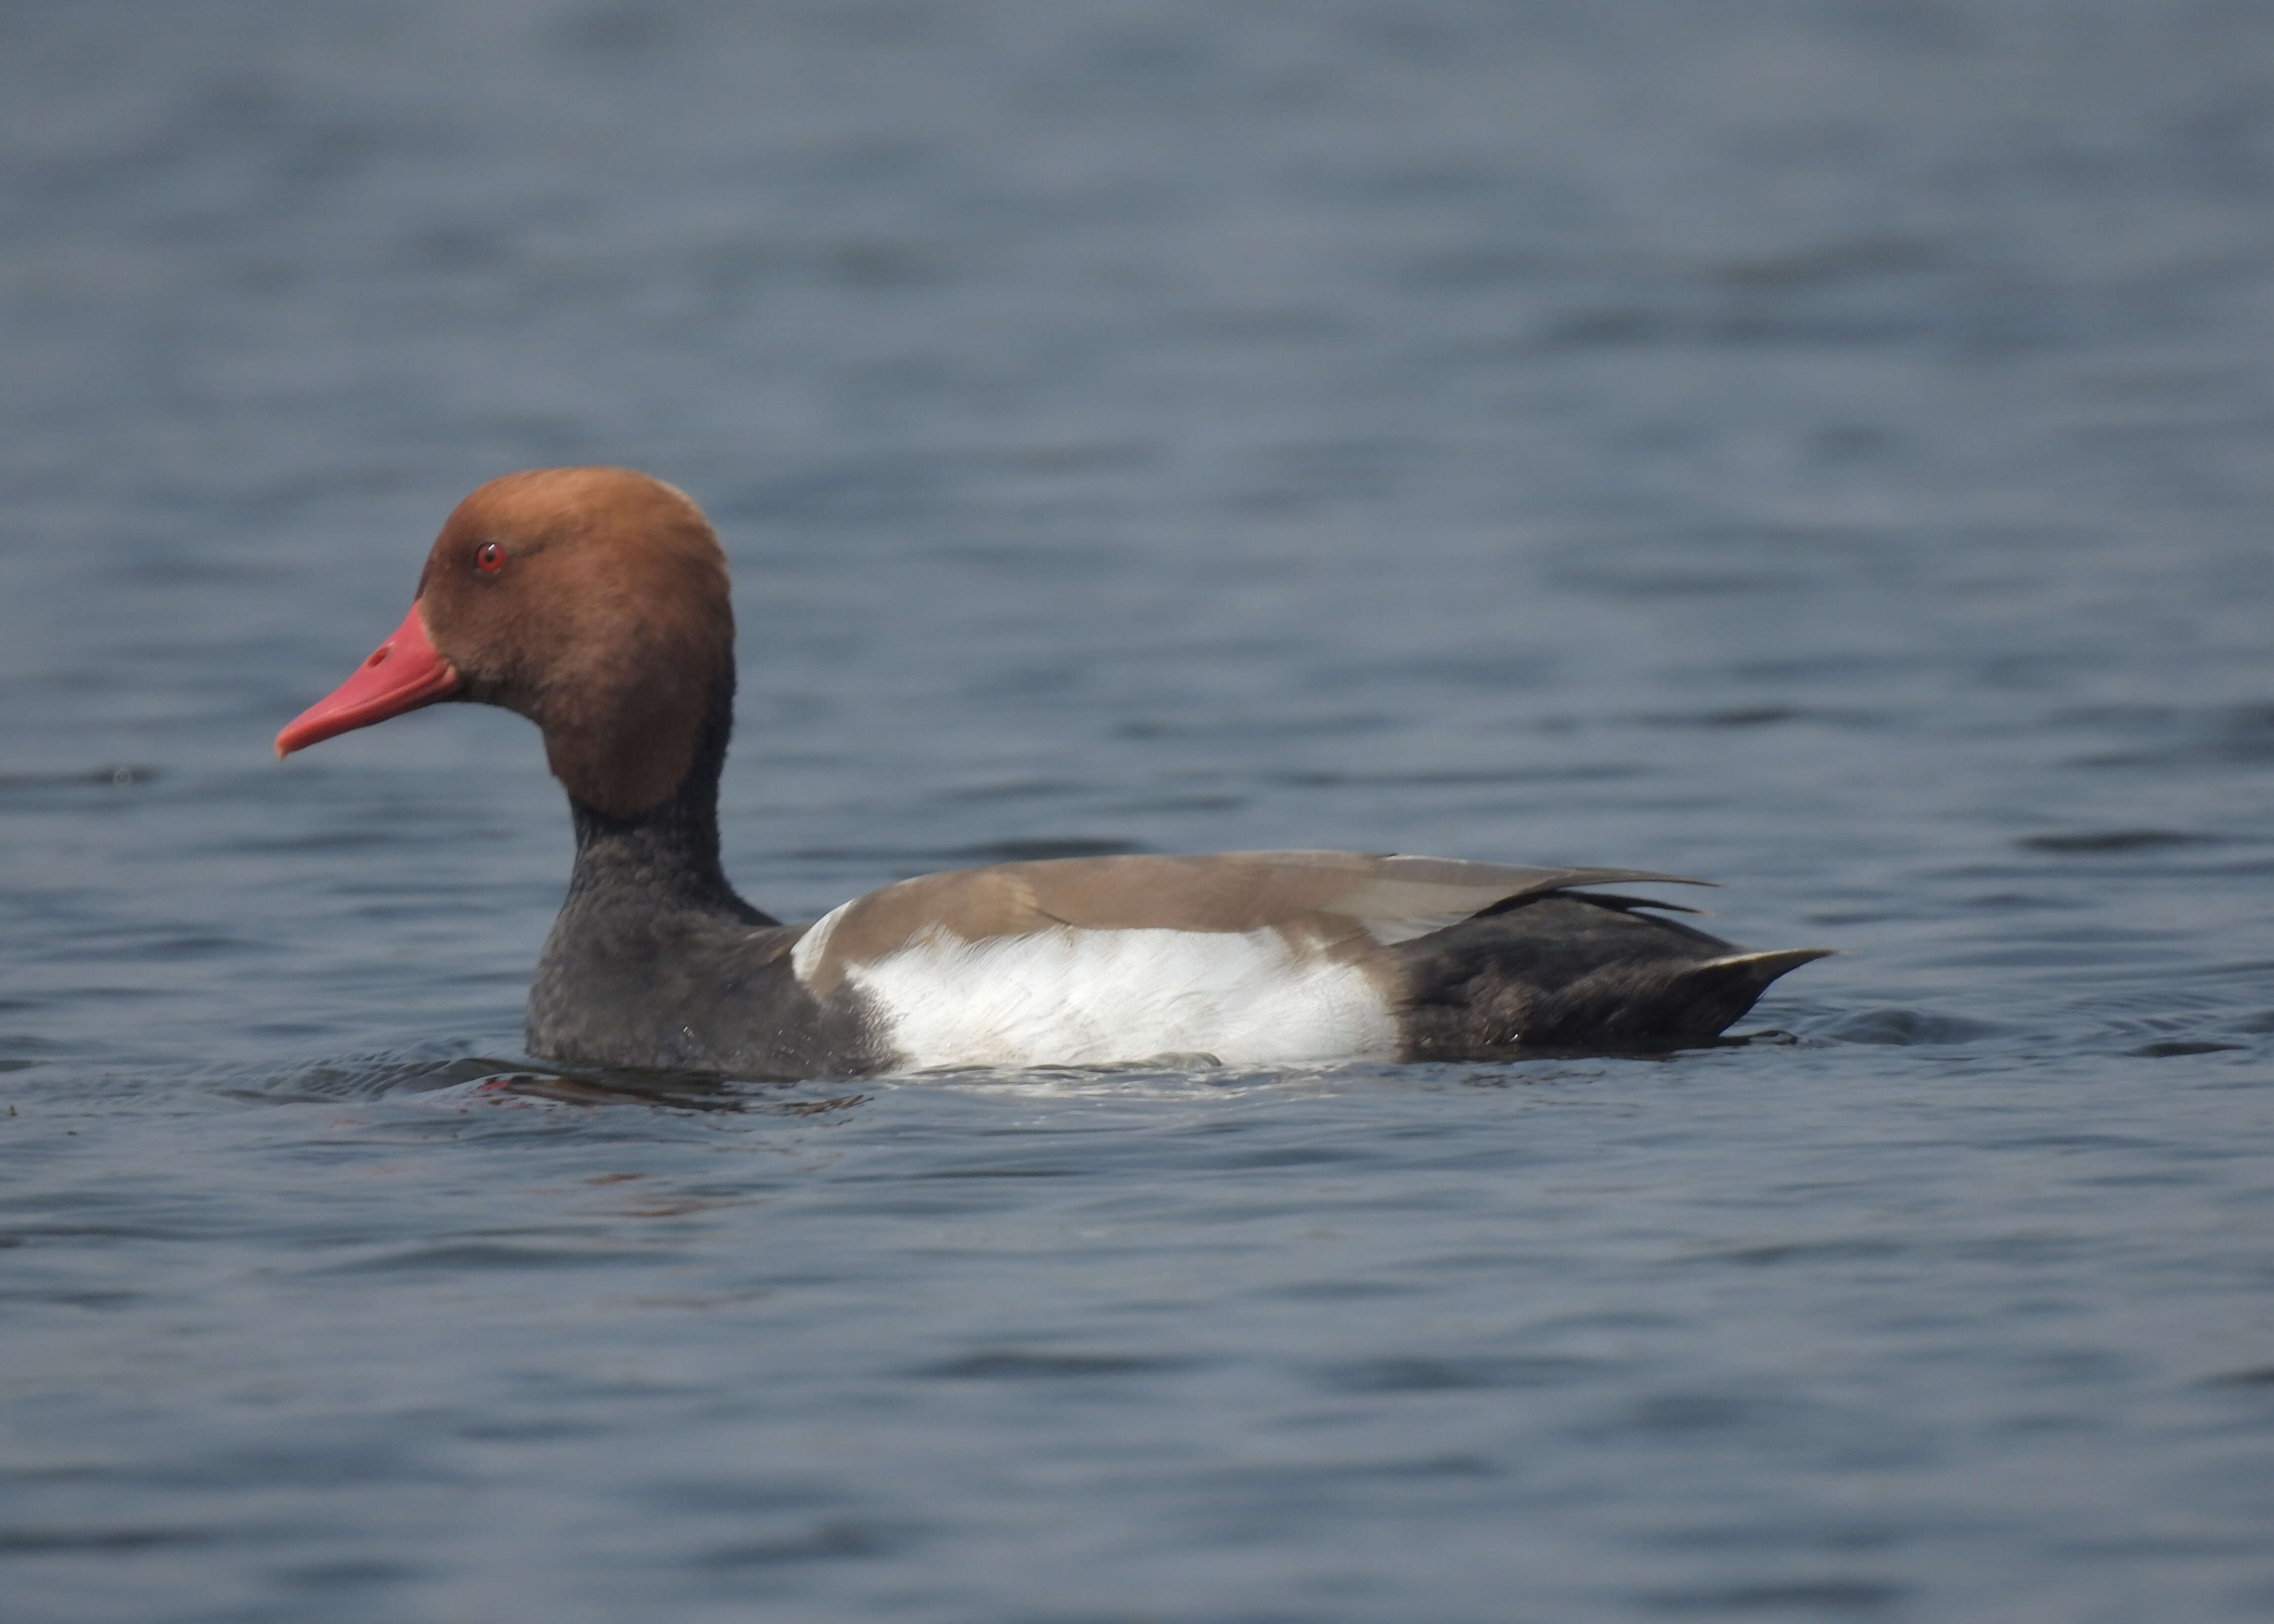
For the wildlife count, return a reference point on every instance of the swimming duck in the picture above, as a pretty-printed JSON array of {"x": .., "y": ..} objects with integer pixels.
[{"x": 594, "y": 602}]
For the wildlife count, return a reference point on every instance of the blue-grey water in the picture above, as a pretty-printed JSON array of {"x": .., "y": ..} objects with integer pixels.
[{"x": 1827, "y": 447}]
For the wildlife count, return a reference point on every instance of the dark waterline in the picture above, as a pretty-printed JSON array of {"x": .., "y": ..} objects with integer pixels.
[{"x": 1823, "y": 446}]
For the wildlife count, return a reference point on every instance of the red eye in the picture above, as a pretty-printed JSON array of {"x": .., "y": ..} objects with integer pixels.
[{"x": 489, "y": 558}]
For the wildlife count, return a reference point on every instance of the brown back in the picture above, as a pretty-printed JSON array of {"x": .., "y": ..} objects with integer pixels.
[{"x": 1347, "y": 904}]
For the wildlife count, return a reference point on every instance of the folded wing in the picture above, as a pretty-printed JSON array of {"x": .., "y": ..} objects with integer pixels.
[{"x": 1338, "y": 904}]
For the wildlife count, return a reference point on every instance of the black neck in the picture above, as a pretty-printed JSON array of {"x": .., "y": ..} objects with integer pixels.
[{"x": 668, "y": 854}]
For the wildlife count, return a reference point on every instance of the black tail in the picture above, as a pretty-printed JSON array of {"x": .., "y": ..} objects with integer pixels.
[
  {"x": 1656, "y": 1005},
  {"x": 1570, "y": 970}
]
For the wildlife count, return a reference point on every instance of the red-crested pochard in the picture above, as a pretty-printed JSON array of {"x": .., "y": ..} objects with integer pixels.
[{"x": 593, "y": 601}]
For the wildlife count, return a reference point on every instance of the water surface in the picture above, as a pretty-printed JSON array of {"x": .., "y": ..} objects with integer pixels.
[{"x": 1822, "y": 447}]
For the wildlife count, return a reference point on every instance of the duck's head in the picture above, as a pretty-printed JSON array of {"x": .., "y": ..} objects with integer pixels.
[{"x": 591, "y": 600}]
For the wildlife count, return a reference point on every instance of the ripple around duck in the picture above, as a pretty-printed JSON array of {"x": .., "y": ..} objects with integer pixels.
[
  {"x": 419, "y": 1069},
  {"x": 1908, "y": 1027},
  {"x": 2116, "y": 840}
]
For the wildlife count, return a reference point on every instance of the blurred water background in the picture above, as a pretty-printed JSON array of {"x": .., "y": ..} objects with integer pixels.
[{"x": 1823, "y": 445}]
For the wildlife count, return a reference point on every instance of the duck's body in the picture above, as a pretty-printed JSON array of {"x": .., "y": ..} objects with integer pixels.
[{"x": 594, "y": 601}]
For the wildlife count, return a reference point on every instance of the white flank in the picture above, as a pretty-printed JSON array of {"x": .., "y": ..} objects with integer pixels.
[
  {"x": 811, "y": 946},
  {"x": 1096, "y": 997}
]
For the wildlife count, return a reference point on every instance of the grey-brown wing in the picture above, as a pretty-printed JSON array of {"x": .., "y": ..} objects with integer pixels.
[
  {"x": 1330, "y": 899},
  {"x": 1408, "y": 897}
]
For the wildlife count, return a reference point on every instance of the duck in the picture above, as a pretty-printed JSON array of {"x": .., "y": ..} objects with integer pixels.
[{"x": 594, "y": 601}]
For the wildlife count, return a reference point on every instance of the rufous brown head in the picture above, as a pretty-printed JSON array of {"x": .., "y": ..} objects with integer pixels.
[{"x": 591, "y": 600}]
